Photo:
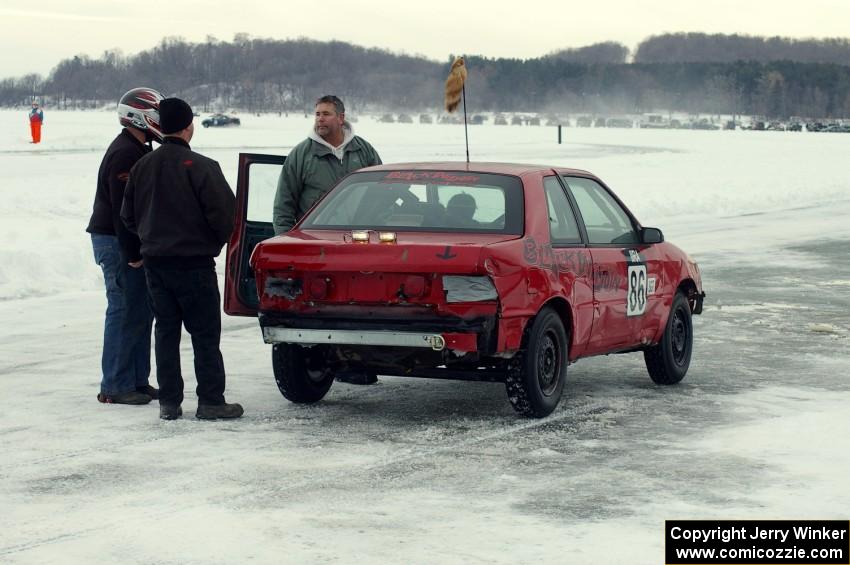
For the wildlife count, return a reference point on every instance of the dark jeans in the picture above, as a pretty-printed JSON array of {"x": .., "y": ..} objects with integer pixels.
[
  {"x": 126, "y": 359},
  {"x": 187, "y": 297}
]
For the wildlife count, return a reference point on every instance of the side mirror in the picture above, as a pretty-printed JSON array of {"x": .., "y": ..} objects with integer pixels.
[{"x": 651, "y": 235}]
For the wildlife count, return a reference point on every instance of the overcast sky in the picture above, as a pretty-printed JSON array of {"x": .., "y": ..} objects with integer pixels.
[{"x": 35, "y": 36}]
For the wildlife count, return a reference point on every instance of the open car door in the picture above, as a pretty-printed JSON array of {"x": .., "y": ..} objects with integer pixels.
[{"x": 256, "y": 185}]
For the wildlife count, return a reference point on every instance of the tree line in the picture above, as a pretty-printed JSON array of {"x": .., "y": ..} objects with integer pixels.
[
  {"x": 721, "y": 48},
  {"x": 264, "y": 75}
]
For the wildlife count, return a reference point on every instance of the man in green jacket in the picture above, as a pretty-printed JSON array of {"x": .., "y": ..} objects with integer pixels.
[{"x": 330, "y": 152}]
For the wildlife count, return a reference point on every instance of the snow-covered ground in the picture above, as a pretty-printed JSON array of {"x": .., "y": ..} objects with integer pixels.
[{"x": 420, "y": 471}]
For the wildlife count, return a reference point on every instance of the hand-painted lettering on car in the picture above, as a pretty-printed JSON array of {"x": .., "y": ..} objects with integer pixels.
[
  {"x": 603, "y": 280},
  {"x": 556, "y": 260},
  {"x": 443, "y": 177}
]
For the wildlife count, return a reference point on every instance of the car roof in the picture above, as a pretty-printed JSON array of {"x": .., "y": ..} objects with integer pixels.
[{"x": 517, "y": 169}]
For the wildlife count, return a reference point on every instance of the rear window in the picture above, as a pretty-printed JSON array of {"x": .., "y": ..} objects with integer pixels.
[{"x": 423, "y": 201}]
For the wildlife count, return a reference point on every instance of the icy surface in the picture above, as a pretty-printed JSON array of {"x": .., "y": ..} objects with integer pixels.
[{"x": 420, "y": 471}]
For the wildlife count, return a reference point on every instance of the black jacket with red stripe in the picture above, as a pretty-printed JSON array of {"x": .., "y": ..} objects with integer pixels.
[
  {"x": 179, "y": 204},
  {"x": 124, "y": 151}
]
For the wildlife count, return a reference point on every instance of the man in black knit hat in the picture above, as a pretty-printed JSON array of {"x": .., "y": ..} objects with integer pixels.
[{"x": 181, "y": 207}]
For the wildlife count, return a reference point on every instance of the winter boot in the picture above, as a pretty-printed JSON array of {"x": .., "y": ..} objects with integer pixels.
[
  {"x": 170, "y": 411},
  {"x": 216, "y": 411},
  {"x": 149, "y": 390},
  {"x": 132, "y": 397}
]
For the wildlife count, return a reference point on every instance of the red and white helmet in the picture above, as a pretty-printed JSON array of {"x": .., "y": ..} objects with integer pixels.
[{"x": 139, "y": 108}]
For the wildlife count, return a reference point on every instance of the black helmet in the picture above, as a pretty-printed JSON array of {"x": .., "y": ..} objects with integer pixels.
[{"x": 139, "y": 108}]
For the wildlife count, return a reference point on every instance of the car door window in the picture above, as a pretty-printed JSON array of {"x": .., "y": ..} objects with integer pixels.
[
  {"x": 262, "y": 179},
  {"x": 562, "y": 223},
  {"x": 605, "y": 220}
]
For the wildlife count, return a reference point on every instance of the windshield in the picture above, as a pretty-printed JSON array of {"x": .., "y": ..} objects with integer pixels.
[{"x": 423, "y": 201}]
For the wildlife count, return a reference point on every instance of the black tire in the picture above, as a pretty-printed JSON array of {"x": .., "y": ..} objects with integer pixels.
[
  {"x": 536, "y": 375},
  {"x": 668, "y": 361},
  {"x": 300, "y": 373},
  {"x": 205, "y": 124}
]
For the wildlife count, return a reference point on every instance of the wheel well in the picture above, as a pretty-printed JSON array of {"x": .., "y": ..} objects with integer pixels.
[
  {"x": 689, "y": 288},
  {"x": 562, "y": 307}
]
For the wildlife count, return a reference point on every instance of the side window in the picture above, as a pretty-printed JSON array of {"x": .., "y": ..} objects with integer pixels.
[
  {"x": 605, "y": 220},
  {"x": 262, "y": 187},
  {"x": 562, "y": 223}
]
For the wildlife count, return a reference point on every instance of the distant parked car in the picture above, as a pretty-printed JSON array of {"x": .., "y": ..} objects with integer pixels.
[
  {"x": 703, "y": 123},
  {"x": 654, "y": 121},
  {"x": 425, "y": 119},
  {"x": 405, "y": 119},
  {"x": 619, "y": 123},
  {"x": 218, "y": 120}
]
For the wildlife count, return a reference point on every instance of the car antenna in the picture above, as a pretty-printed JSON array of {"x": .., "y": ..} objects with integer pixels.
[{"x": 455, "y": 92}]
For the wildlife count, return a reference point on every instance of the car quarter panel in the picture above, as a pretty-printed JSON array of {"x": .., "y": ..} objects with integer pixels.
[{"x": 532, "y": 273}]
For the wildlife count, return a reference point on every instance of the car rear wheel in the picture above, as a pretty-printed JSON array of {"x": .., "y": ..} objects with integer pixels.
[
  {"x": 536, "y": 375},
  {"x": 301, "y": 373},
  {"x": 668, "y": 361}
]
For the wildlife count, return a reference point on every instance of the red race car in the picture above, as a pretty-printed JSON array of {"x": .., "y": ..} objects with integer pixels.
[{"x": 475, "y": 271}]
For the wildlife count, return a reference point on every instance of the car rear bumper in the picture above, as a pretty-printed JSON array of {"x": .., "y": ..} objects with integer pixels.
[
  {"x": 412, "y": 331},
  {"x": 466, "y": 342}
]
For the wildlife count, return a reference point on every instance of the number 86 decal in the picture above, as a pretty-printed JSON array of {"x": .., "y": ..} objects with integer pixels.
[{"x": 636, "y": 299}]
